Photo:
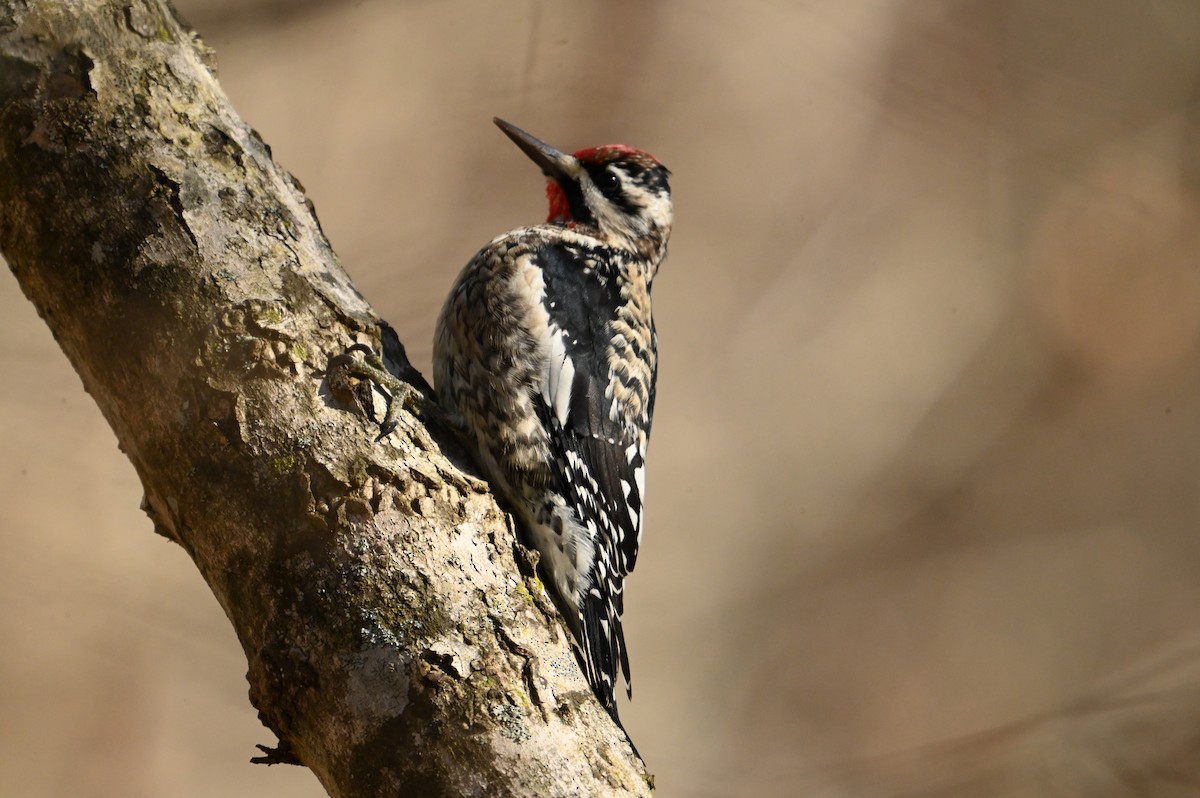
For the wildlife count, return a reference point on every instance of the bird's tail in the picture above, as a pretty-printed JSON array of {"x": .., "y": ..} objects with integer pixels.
[{"x": 602, "y": 649}]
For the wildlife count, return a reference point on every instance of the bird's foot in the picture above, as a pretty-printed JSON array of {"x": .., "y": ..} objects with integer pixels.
[{"x": 369, "y": 369}]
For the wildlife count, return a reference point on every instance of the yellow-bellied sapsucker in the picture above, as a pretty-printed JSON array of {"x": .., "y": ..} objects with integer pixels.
[{"x": 545, "y": 350}]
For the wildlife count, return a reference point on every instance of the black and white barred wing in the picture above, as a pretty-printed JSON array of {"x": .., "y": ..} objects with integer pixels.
[{"x": 601, "y": 465}]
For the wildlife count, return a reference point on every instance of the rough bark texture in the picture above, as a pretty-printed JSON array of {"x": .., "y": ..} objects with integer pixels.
[{"x": 394, "y": 645}]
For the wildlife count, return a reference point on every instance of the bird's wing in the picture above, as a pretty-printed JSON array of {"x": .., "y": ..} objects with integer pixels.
[{"x": 599, "y": 461}]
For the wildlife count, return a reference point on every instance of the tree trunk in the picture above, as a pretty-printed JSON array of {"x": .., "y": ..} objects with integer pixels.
[{"x": 394, "y": 645}]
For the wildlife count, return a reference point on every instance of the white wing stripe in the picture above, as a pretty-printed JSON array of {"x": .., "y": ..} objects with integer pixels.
[
  {"x": 560, "y": 376},
  {"x": 562, "y": 397}
]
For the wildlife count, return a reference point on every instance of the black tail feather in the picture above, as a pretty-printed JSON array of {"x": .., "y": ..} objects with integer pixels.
[{"x": 603, "y": 649}]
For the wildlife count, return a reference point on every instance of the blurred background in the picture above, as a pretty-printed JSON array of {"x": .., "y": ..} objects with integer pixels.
[{"x": 924, "y": 489}]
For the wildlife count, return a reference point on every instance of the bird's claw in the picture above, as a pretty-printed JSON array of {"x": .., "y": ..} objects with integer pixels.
[{"x": 371, "y": 369}]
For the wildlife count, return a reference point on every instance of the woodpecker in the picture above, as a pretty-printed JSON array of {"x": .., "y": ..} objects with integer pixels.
[{"x": 545, "y": 353}]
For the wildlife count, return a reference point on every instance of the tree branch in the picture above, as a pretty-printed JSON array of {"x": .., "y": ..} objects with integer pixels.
[{"x": 394, "y": 645}]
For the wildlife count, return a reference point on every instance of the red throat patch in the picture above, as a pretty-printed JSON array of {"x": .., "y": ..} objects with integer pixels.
[{"x": 560, "y": 209}]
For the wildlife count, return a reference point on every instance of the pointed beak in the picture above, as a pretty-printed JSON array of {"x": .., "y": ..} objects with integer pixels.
[{"x": 556, "y": 165}]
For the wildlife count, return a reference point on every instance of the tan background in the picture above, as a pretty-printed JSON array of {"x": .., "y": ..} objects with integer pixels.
[{"x": 925, "y": 477}]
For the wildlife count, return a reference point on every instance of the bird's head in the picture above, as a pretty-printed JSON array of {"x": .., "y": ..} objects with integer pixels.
[{"x": 620, "y": 192}]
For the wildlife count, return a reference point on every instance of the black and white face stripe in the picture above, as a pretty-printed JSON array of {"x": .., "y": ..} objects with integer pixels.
[
  {"x": 581, "y": 213},
  {"x": 628, "y": 185},
  {"x": 610, "y": 180}
]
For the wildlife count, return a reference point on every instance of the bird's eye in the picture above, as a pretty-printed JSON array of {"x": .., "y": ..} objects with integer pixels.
[{"x": 607, "y": 181}]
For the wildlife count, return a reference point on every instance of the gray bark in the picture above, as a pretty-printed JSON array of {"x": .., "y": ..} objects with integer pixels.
[{"x": 395, "y": 644}]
